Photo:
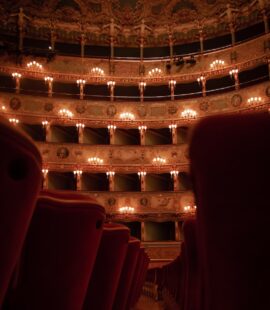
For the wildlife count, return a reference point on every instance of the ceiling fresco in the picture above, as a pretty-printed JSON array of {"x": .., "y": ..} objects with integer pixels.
[{"x": 128, "y": 20}]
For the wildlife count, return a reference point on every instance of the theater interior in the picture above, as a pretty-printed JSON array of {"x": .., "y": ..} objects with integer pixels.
[{"x": 135, "y": 147}]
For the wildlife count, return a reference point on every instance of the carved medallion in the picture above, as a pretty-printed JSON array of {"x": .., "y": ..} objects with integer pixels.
[
  {"x": 144, "y": 201},
  {"x": 204, "y": 106},
  {"x": 15, "y": 103},
  {"x": 48, "y": 106},
  {"x": 111, "y": 110},
  {"x": 236, "y": 100},
  {"x": 111, "y": 201},
  {"x": 62, "y": 152},
  {"x": 172, "y": 109},
  {"x": 80, "y": 108},
  {"x": 142, "y": 110}
]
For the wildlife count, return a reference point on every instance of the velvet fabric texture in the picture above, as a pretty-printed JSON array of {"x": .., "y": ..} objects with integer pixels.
[
  {"x": 59, "y": 254},
  {"x": 231, "y": 169},
  {"x": 108, "y": 266},
  {"x": 20, "y": 182},
  {"x": 127, "y": 274}
]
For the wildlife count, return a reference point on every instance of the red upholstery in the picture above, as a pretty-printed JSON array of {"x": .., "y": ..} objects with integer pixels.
[
  {"x": 68, "y": 195},
  {"x": 181, "y": 272},
  {"x": 141, "y": 279},
  {"x": 192, "y": 289},
  {"x": 231, "y": 169},
  {"x": 127, "y": 274},
  {"x": 108, "y": 266},
  {"x": 20, "y": 181},
  {"x": 135, "y": 280},
  {"x": 59, "y": 254}
]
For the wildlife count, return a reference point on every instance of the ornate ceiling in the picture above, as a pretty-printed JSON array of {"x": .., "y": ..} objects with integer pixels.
[{"x": 127, "y": 20}]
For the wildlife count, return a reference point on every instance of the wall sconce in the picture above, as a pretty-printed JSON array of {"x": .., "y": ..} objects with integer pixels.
[
  {"x": 44, "y": 123},
  {"x": 174, "y": 173},
  {"x": 127, "y": 116},
  {"x": 77, "y": 172},
  {"x": 142, "y": 128},
  {"x": 35, "y": 65},
  {"x": 159, "y": 160},
  {"x": 254, "y": 100},
  {"x": 97, "y": 71},
  {"x": 16, "y": 75},
  {"x": 172, "y": 126},
  {"x": 217, "y": 64},
  {"x": 126, "y": 210},
  {"x": 190, "y": 209},
  {"x": 80, "y": 126},
  {"x": 142, "y": 174},
  {"x": 110, "y": 173},
  {"x": 14, "y": 121},
  {"x": 189, "y": 114},
  {"x": 155, "y": 72},
  {"x": 233, "y": 72},
  {"x": 65, "y": 113},
  {"x": 44, "y": 172},
  {"x": 111, "y": 127},
  {"x": 95, "y": 161}
]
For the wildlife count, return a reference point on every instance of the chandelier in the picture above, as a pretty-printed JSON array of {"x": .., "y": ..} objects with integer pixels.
[
  {"x": 155, "y": 72},
  {"x": 254, "y": 100},
  {"x": 95, "y": 161},
  {"x": 217, "y": 64},
  {"x": 35, "y": 65},
  {"x": 159, "y": 160},
  {"x": 97, "y": 71},
  {"x": 126, "y": 210},
  {"x": 189, "y": 114},
  {"x": 65, "y": 113},
  {"x": 127, "y": 116}
]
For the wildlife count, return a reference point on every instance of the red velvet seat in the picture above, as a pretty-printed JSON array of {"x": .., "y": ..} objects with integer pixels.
[
  {"x": 127, "y": 274},
  {"x": 59, "y": 254},
  {"x": 231, "y": 169},
  {"x": 108, "y": 267},
  {"x": 20, "y": 182},
  {"x": 136, "y": 279},
  {"x": 191, "y": 286},
  {"x": 142, "y": 277}
]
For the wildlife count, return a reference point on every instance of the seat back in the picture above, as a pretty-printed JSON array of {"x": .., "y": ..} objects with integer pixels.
[
  {"x": 127, "y": 274},
  {"x": 20, "y": 180},
  {"x": 230, "y": 168},
  {"x": 108, "y": 267},
  {"x": 59, "y": 254}
]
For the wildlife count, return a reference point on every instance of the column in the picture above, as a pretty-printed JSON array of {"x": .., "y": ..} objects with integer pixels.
[
  {"x": 142, "y": 86},
  {"x": 49, "y": 81},
  {"x": 47, "y": 129},
  {"x": 232, "y": 30},
  {"x": 142, "y": 231},
  {"x": 17, "y": 76},
  {"x": 173, "y": 129},
  {"x": 81, "y": 84},
  {"x": 80, "y": 128},
  {"x": 171, "y": 41},
  {"x": 82, "y": 41},
  {"x": 234, "y": 74},
  {"x": 202, "y": 81},
  {"x": 177, "y": 231},
  {"x": 174, "y": 175},
  {"x": 111, "y": 85},
  {"x": 142, "y": 130},
  {"x": 78, "y": 176},
  {"x": 111, "y": 129},
  {"x": 45, "y": 178},
  {"x": 172, "y": 84},
  {"x": 201, "y": 40},
  {"x": 110, "y": 175},
  {"x": 142, "y": 176}
]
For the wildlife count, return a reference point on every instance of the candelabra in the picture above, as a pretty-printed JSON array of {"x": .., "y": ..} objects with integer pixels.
[
  {"x": 81, "y": 84},
  {"x": 234, "y": 73},
  {"x": 217, "y": 64},
  {"x": 65, "y": 113},
  {"x": 142, "y": 86},
  {"x": 159, "y": 160},
  {"x": 35, "y": 65},
  {"x": 155, "y": 72},
  {"x": 254, "y": 100},
  {"x": 190, "y": 209},
  {"x": 95, "y": 161},
  {"x": 127, "y": 116},
  {"x": 97, "y": 71},
  {"x": 110, "y": 173},
  {"x": 126, "y": 210},
  {"x": 172, "y": 84},
  {"x": 17, "y": 76},
  {"x": 77, "y": 172},
  {"x": 111, "y": 85},
  {"x": 189, "y": 114},
  {"x": 202, "y": 81},
  {"x": 49, "y": 80},
  {"x": 174, "y": 173},
  {"x": 80, "y": 126},
  {"x": 14, "y": 121},
  {"x": 172, "y": 126},
  {"x": 44, "y": 123},
  {"x": 141, "y": 174}
]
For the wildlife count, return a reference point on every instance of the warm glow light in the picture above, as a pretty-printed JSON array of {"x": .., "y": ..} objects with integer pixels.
[
  {"x": 97, "y": 71},
  {"x": 80, "y": 82},
  {"x": 155, "y": 72},
  {"x": 159, "y": 160},
  {"x": 48, "y": 79},
  {"x": 142, "y": 174},
  {"x": 174, "y": 173},
  {"x": 65, "y": 113},
  {"x": 189, "y": 114},
  {"x": 254, "y": 100},
  {"x": 95, "y": 161},
  {"x": 217, "y": 64},
  {"x": 201, "y": 79},
  {"x": 172, "y": 83},
  {"x": 143, "y": 128},
  {"x": 44, "y": 123},
  {"x": 80, "y": 125},
  {"x": 14, "y": 121},
  {"x": 110, "y": 173},
  {"x": 3, "y": 108},
  {"x": 45, "y": 171},
  {"x": 126, "y": 210},
  {"x": 127, "y": 116},
  {"x": 142, "y": 85},
  {"x": 111, "y": 127},
  {"x": 190, "y": 209},
  {"x": 16, "y": 75},
  {"x": 172, "y": 126},
  {"x": 77, "y": 172},
  {"x": 111, "y": 83},
  {"x": 35, "y": 65},
  {"x": 233, "y": 72}
]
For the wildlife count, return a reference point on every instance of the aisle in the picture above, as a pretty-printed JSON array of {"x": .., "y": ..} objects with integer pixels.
[{"x": 146, "y": 303}]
